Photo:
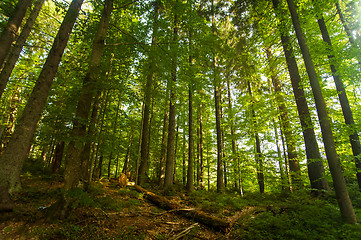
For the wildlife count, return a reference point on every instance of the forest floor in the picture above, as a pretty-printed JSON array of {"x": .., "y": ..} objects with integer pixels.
[{"x": 110, "y": 212}]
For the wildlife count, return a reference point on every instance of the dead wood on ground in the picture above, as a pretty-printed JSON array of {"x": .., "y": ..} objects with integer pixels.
[{"x": 197, "y": 215}]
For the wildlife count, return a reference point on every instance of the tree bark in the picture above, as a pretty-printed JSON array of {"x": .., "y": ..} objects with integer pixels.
[
  {"x": 11, "y": 161},
  {"x": 339, "y": 182},
  {"x": 9, "y": 33}
]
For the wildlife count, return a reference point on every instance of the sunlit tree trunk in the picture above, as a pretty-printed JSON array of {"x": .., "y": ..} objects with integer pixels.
[
  {"x": 339, "y": 182},
  {"x": 16, "y": 49},
  {"x": 11, "y": 161},
  {"x": 9, "y": 33}
]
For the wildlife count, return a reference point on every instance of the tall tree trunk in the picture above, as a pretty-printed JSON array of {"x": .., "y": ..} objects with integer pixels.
[
  {"x": 314, "y": 160},
  {"x": 220, "y": 179},
  {"x": 73, "y": 166},
  {"x": 9, "y": 33},
  {"x": 345, "y": 106},
  {"x": 11, "y": 161},
  {"x": 190, "y": 180},
  {"x": 147, "y": 102},
  {"x": 201, "y": 163},
  {"x": 339, "y": 182},
  {"x": 168, "y": 179},
  {"x": 15, "y": 51}
]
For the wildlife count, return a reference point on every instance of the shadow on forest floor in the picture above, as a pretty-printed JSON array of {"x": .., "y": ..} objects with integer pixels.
[{"x": 108, "y": 212}]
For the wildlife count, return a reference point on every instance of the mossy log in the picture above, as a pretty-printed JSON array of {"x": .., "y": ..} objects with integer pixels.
[{"x": 194, "y": 214}]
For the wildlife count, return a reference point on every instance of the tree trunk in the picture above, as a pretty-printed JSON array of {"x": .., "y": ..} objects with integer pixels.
[
  {"x": 9, "y": 33},
  {"x": 73, "y": 175},
  {"x": 163, "y": 149},
  {"x": 15, "y": 51},
  {"x": 147, "y": 102},
  {"x": 220, "y": 179},
  {"x": 58, "y": 157},
  {"x": 190, "y": 183},
  {"x": 339, "y": 182},
  {"x": 168, "y": 179},
  {"x": 11, "y": 161},
  {"x": 345, "y": 106},
  {"x": 314, "y": 160}
]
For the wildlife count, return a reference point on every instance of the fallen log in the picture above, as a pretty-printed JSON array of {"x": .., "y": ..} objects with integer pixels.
[{"x": 194, "y": 214}]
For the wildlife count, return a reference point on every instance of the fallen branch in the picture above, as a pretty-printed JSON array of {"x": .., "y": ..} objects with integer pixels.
[
  {"x": 197, "y": 215},
  {"x": 184, "y": 232}
]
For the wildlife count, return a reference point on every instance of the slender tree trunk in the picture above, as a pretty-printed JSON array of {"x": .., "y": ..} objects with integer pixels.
[
  {"x": 168, "y": 179},
  {"x": 73, "y": 166},
  {"x": 163, "y": 149},
  {"x": 201, "y": 163},
  {"x": 314, "y": 160},
  {"x": 220, "y": 179},
  {"x": 184, "y": 172},
  {"x": 15, "y": 51},
  {"x": 58, "y": 157},
  {"x": 345, "y": 106},
  {"x": 190, "y": 183},
  {"x": 9, "y": 33},
  {"x": 339, "y": 182},
  {"x": 147, "y": 102},
  {"x": 11, "y": 161}
]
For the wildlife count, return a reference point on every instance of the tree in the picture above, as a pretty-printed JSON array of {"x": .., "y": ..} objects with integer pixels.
[
  {"x": 342, "y": 96},
  {"x": 9, "y": 34},
  {"x": 314, "y": 160},
  {"x": 168, "y": 179},
  {"x": 147, "y": 99},
  {"x": 339, "y": 183},
  {"x": 16, "y": 49},
  {"x": 11, "y": 161}
]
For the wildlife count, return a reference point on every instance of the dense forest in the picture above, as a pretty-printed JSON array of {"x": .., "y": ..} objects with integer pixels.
[{"x": 236, "y": 115}]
